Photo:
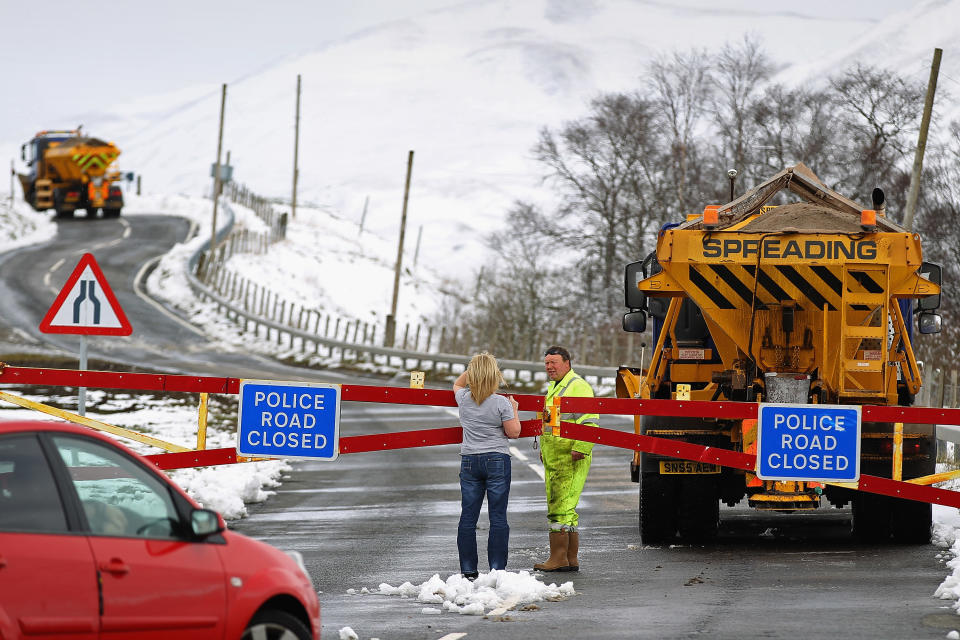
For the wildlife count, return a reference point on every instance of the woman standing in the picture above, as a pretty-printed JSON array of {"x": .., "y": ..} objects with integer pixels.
[{"x": 488, "y": 419}]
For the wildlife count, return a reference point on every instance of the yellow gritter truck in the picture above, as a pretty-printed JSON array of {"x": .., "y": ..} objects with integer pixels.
[
  {"x": 809, "y": 302},
  {"x": 67, "y": 171}
]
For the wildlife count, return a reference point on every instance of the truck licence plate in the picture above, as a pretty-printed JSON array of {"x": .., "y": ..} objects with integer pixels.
[{"x": 685, "y": 466}]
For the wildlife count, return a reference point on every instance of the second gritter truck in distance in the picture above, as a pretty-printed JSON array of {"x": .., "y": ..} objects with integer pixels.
[
  {"x": 810, "y": 302},
  {"x": 69, "y": 171}
]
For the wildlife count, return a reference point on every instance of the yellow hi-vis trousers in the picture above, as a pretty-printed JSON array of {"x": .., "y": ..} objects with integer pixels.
[{"x": 564, "y": 481}]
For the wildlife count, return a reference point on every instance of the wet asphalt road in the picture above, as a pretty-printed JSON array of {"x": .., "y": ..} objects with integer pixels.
[{"x": 391, "y": 516}]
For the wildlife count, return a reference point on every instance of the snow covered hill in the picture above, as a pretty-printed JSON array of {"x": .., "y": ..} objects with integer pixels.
[{"x": 467, "y": 87}]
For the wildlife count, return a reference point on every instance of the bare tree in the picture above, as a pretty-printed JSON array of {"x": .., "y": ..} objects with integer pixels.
[
  {"x": 682, "y": 86},
  {"x": 792, "y": 125},
  {"x": 738, "y": 73},
  {"x": 606, "y": 166},
  {"x": 879, "y": 112},
  {"x": 938, "y": 222}
]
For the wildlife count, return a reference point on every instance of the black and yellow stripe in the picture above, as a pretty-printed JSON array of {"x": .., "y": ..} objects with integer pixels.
[{"x": 729, "y": 286}]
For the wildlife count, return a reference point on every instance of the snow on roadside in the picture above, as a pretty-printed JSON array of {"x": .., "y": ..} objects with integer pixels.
[
  {"x": 20, "y": 225},
  {"x": 489, "y": 592}
]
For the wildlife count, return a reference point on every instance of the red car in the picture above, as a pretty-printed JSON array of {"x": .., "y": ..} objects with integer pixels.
[{"x": 97, "y": 543}]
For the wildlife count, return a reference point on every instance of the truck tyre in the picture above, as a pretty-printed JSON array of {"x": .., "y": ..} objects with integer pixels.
[
  {"x": 698, "y": 508},
  {"x": 871, "y": 517},
  {"x": 64, "y": 215},
  {"x": 658, "y": 522},
  {"x": 912, "y": 522},
  {"x": 111, "y": 213}
]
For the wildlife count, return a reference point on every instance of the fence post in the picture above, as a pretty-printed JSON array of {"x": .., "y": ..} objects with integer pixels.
[{"x": 953, "y": 388}]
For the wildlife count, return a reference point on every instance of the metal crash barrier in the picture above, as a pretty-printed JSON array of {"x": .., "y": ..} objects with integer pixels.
[{"x": 177, "y": 456}]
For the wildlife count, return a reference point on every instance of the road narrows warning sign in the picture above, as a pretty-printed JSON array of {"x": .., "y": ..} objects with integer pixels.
[{"x": 86, "y": 305}]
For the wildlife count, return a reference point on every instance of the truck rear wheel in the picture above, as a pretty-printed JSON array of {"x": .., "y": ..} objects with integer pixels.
[
  {"x": 63, "y": 214},
  {"x": 658, "y": 522},
  {"x": 912, "y": 522},
  {"x": 871, "y": 517},
  {"x": 698, "y": 508},
  {"x": 111, "y": 213}
]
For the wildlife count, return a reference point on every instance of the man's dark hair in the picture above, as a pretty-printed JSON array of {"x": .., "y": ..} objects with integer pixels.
[{"x": 557, "y": 351}]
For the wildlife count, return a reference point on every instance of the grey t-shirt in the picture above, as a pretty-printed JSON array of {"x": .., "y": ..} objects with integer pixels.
[{"x": 483, "y": 424}]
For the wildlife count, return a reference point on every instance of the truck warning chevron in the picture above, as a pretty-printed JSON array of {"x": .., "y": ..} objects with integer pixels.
[
  {"x": 289, "y": 419},
  {"x": 810, "y": 443}
]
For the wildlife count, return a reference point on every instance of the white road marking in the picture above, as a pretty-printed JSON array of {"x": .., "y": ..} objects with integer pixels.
[
  {"x": 453, "y": 636},
  {"x": 123, "y": 236},
  {"x": 519, "y": 455},
  {"x": 138, "y": 289},
  {"x": 49, "y": 273}
]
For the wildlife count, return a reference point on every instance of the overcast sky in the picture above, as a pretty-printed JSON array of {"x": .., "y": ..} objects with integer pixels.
[{"x": 63, "y": 57}]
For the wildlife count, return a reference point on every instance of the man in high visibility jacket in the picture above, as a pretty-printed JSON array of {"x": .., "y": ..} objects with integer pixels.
[{"x": 565, "y": 463}]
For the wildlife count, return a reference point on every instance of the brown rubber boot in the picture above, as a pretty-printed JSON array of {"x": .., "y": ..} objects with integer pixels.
[
  {"x": 559, "y": 541},
  {"x": 573, "y": 547}
]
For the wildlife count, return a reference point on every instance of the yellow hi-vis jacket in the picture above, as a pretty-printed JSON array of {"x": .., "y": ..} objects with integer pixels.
[{"x": 571, "y": 386}]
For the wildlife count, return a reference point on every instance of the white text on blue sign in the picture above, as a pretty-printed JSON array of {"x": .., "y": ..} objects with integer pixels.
[
  {"x": 277, "y": 419},
  {"x": 808, "y": 442}
]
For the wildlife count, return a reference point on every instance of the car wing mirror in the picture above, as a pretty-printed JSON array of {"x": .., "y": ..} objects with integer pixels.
[{"x": 205, "y": 522}]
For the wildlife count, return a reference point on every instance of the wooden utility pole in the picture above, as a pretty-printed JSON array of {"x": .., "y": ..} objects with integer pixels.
[
  {"x": 363, "y": 216},
  {"x": 391, "y": 328},
  {"x": 216, "y": 174},
  {"x": 922, "y": 141},
  {"x": 296, "y": 148},
  {"x": 416, "y": 252}
]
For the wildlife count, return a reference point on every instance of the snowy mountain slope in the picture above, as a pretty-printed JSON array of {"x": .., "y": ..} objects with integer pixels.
[
  {"x": 467, "y": 87},
  {"x": 904, "y": 43}
]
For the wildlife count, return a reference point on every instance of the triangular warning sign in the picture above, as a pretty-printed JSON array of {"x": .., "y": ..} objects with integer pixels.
[{"x": 86, "y": 305}]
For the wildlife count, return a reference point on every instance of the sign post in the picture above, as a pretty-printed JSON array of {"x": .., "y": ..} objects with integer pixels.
[
  {"x": 86, "y": 306},
  {"x": 289, "y": 419},
  {"x": 808, "y": 442}
]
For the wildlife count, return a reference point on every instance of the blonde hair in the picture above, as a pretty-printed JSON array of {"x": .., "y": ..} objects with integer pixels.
[{"x": 483, "y": 376}]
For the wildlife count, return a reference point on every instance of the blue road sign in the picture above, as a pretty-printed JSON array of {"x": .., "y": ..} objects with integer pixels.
[
  {"x": 811, "y": 442},
  {"x": 289, "y": 419}
]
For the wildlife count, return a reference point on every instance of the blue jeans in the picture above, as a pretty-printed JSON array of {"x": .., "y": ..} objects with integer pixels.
[{"x": 484, "y": 473}]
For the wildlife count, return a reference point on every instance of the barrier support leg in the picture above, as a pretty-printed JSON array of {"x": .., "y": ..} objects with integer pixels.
[
  {"x": 898, "y": 451},
  {"x": 202, "y": 424}
]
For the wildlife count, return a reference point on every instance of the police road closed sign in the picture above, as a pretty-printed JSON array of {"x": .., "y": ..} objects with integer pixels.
[
  {"x": 289, "y": 419},
  {"x": 808, "y": 442}
]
